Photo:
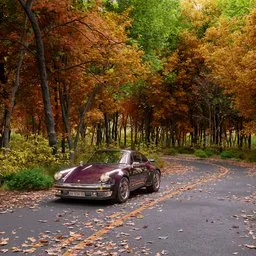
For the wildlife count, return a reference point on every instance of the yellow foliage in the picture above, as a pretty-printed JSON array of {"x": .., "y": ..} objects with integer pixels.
[
  {"x": 250, "y": 128},
  {"x": 28, "y": 153}
]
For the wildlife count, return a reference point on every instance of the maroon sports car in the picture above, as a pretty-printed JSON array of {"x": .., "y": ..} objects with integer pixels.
[{"x": 109, "y": 174}]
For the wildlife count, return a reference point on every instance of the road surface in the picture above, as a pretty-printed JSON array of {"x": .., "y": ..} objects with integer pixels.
[{"x": 203, "y": 208}]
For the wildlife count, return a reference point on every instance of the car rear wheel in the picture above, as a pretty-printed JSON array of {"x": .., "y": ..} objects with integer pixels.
[
  {"x": 154, "y": 187},
  {"x": 123, "y": 190}
]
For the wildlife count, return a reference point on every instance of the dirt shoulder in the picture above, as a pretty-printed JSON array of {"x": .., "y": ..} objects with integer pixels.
[{"x": 9, "y": 200}]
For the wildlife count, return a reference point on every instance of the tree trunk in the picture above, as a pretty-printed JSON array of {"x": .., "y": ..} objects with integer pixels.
[
  {"x": 86, "y": 107},
  {"x": 49, "y": 120},
  {"x": 148, "y": 117},
  {"x": 157, "y": 136},
  {"x": 116, "y": 126},
  {"x": 106, "y": 122},
  {"x": 63, "y": 146},
  {"x": 99, "y": 135},
  {"x": 9, "y": 109},
  {"x": 125, "y": 134},
  {"x": 250, "y": 142},
  {"x": 65, "y": 108}
]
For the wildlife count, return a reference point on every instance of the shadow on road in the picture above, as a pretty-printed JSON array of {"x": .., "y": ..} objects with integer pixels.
[{"x": 91, "y": 203}]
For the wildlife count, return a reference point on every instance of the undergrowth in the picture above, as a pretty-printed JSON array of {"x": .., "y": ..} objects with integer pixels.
[{"x": 27, "y": 180}]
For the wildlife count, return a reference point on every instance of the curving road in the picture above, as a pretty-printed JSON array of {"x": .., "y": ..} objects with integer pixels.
[{"x": 202, "y": 208}]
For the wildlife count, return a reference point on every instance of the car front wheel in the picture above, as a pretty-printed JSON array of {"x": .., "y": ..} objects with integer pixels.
[
  {"x": 123, "y": 190},
  {"x": 154, "y": 187}
]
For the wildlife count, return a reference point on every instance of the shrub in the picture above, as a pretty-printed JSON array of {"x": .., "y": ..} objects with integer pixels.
[
  {"x": 239, "y": 154},
  {"x": 29, "y": 179},
  {"x": 84, "y": 152},
  {"x": 186, "y": 150},
  {"x": 29, "y": 152},
  {"x": 226, "y": 154},
  {"x": 159, "y": 163},
  {"x": 251, "y": 157},
  {"x": 200, "y": 153},
  {"x": 209, "y": 152},
  {"x": 170, "y": 151}
]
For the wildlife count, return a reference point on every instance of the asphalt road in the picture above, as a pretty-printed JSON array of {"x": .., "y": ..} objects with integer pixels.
[{"x": 203, "y": 208}]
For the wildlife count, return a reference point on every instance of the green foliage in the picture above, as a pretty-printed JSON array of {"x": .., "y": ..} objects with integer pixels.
[
  {"x": 253, "y": 140},
  {"x": 247, "y": 155},
  {"x": 159, "y": 163},
  {"x": 84, "y": 151},
  {"x": 226, "y": 154},
  {"x": 29, "y": 179},
  {"x": 170, "y": 151},
  {"x": 153, "y": 152},
  {"x": 156, "y": 24},
  {"x": 209, "y": 152},
  {"x": 200, "y": 153},
  {"x": 251, "y": 156},
  {"x": 233, "y": 8},
  {"x": 110, "y": 4},
  {"x": 186, "y": 150},
  {"x": 29, "y": 153},
  {"x": 238, "y": 154},
  {"x": 83, "y": 5}
]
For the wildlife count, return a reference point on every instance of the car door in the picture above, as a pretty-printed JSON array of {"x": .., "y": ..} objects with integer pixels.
[
  {"x": 137, "y": 170},
  {"x": 145, "y": 168}
]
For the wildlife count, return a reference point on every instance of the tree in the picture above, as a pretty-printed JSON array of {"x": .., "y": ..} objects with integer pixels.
[
  {"x": 49, "y": 120},
  {"x": 155, "y": 26}
]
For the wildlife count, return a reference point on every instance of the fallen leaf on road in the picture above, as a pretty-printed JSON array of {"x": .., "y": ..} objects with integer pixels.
[
  {"x": 4, "y": 241},
  {"x": 16, "y": 249},
  {"x": 31, "y": 239},
  {"x": 43, "y": 221},
  {"x": 140, "y": 216},
  {"x": 124, "y": 234},
  {"x": 29, "y": 250},
  {"x": 130, "y": 223},
  {"x": 44, "y": 241},
  {"x": 250, "y": 246},
  {"x": 163, "y": 237}
]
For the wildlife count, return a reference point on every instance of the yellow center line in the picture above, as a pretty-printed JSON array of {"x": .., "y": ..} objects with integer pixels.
[
  {"x": 114, "y": 215},
  {"x": 170, "y": 193}
]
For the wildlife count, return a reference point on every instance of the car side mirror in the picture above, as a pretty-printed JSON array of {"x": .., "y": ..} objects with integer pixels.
[
  {"x": 151, "y": 160},
  {"x": 135, "y": 164}
]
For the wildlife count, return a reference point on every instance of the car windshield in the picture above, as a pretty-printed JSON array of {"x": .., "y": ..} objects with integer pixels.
[{"x": 110, "y": 157}]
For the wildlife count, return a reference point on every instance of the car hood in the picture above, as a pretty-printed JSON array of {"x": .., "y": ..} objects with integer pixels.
[{"x": 89, "y": 173}]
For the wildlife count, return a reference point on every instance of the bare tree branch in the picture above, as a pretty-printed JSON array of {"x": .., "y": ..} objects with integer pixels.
[
  {"x": 19, "y": 42},
  {"x": 74, "y": 66}
]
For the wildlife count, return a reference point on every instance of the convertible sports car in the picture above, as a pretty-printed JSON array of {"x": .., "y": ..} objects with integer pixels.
[{"x": 109, "y": 174}]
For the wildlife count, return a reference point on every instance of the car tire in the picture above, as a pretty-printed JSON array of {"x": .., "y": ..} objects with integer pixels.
[
  {"x": 155, "y": 183},
  {"x": 123, "y": 190}
]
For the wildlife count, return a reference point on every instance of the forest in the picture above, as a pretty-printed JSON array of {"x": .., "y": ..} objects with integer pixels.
[{"x": 169, "y": 74}]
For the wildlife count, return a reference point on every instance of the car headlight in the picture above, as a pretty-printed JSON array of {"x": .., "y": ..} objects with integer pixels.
[
  {"x": 61, "y": 174},
  {"x": 58, "y": 175},
  {"x": 104, "y": 178}
]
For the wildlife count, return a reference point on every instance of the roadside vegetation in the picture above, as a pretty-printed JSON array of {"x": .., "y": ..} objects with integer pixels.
[
  {"x": 30, "y": 164},
  {"x": 175, "y": 77}
]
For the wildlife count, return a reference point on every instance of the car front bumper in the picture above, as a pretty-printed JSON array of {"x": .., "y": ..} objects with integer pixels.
[{"x": 85, "y": 191}]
